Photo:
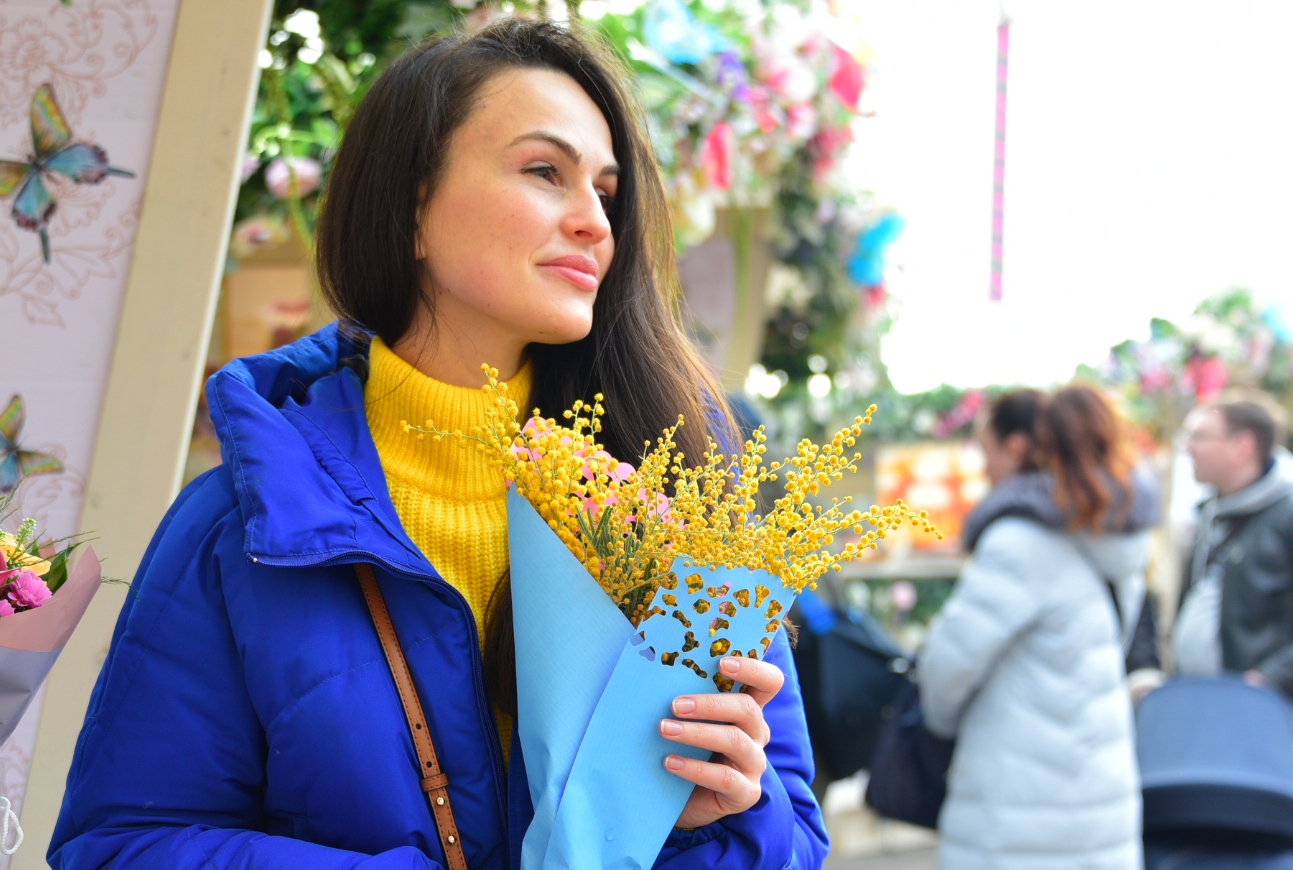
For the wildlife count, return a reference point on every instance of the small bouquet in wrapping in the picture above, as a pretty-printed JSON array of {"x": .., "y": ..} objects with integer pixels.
[
  {"x": 42, "y": 598},
  {"x": 629, "y": 583}
]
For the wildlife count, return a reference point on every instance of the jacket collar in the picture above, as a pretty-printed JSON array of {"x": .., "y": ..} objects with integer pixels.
[
  {"x": 1032, "y": 495},
  {"x": 294, "y": 435},
  {"x": 1273, "y": 485}
]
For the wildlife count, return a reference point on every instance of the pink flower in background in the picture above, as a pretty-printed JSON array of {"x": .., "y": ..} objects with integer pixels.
[
  {"x": 6, "y": 609},
  {"x": 308, "y": 175},
  {"x": 591, "y": 505},
  {"x": 903, "y": 595},
  {"x": 1206, "y": 376},
  {"x": 1156, "y": 380},
  {"x": 28, "y": 590},
  {"x": 827, "y": 144},
  {"x": 717, "y": 156},
  {"x": 617, "y": 471},
  {"x": 250, "y": 163},
  {"x": 254, "y": 233},
  {"x": 801, "y": 121},
  {"x": 848, "y": 79}
]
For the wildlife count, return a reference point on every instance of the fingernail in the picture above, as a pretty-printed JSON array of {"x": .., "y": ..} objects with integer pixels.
[
  {"x": 729, "y": 665},
  {"x": 670, "y": 728},
  {"x": 673, "y": 762},
  {"x": 682, "y": 706}
]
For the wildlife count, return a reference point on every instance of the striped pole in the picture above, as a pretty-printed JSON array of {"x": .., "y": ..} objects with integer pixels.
[{"x": 999, "y": 159}]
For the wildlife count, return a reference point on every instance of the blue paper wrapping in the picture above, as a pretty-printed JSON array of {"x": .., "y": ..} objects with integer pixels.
[{"x": 591, "y": 692}]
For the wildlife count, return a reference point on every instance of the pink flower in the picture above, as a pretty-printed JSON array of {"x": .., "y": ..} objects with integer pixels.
[
  {"x": 717, "y": 156},
  {"x": 1206, "y": 376},
  {"x": 662, "y": 507},
  {"x": 592, "y": 507},
  {"x": 250, "y": 163},
  {"x": 617, "y": 471},
  {"x": 308, "y": 176},
  {"x": 848, "y": 79},
  {"x": 801, "y": 121},
  {"x": 28, "y": 590},
  {"x": 826, "y": 145},
  {"x": 6, "y": 609}
]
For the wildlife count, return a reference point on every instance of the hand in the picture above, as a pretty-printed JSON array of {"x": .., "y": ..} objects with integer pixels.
[
  {"x": 731, "y": 726},
  {"x": 1256, "y": 678}
]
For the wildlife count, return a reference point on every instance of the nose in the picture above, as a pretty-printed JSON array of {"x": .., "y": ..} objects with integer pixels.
[{"x": 586, "y": 219}]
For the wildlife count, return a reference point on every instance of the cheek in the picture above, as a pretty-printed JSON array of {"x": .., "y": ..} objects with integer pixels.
[{"x": 605, "y": 255}]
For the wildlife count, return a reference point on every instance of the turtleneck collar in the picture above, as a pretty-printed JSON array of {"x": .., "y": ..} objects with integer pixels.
[{"x": 450, "y": 468}]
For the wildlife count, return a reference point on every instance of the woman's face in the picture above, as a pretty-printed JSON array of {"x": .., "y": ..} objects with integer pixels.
[
  {"x": 1003, "y": 457},
  {"x": 516, "y": 237}
]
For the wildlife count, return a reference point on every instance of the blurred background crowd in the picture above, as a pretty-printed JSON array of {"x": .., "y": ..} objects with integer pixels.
[{"x": 1045, "y": 243}]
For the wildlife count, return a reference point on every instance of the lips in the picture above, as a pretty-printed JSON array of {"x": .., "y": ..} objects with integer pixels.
[{"x": 578, "y": 270}]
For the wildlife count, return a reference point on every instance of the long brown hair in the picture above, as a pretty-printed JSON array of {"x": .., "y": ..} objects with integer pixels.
[
  {"x": 1082, "y": 440},
  {"x": 388, "y": 165}
]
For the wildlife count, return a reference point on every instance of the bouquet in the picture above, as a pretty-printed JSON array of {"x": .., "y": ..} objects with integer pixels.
[
  {"x": 628, "y": 584},
  {"x": 42, "y": 598}
]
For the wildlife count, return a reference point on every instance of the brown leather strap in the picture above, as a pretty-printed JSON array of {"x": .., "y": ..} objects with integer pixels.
[{"x": 434, "y": 782}]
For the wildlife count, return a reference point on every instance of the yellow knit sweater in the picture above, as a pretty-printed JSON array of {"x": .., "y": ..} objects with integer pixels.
[{"x": 450, "y": 499}]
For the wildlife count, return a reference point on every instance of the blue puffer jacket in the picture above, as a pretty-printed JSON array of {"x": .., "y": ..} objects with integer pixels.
[{"x": 246, "y": 718}]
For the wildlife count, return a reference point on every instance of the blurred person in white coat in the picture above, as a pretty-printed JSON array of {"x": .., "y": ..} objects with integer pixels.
[{"x": 1025, "y": 665}]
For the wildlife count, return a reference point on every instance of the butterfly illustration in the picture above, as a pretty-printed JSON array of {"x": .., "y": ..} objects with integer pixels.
[
  {"x": 33, "y": 204},
  {"x": 15, "y": 463}
]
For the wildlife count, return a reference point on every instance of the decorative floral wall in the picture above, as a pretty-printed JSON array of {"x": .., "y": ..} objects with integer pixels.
[{"x": 80, "y": 87}]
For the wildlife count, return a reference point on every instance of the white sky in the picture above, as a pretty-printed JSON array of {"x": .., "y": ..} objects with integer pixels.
[{"x": 1149, "y": 164}]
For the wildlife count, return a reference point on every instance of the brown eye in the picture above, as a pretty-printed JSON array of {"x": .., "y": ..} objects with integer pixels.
[{"x": 546, "y": 171}]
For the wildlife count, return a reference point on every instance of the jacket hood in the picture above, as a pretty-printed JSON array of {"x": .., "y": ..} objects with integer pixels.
[
  {"x": 1272, "y": 486},
  {"x": 1031, "y": 495},
  {"x": 294, "y": 437}
]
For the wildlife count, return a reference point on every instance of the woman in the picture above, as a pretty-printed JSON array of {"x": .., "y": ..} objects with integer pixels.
[
  {"x": 1025, "y": 666},
  {"x": 494, "y": 201}
]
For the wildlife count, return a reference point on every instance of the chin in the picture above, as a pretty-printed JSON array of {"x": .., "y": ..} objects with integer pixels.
[{"x": 565, "y": 333}]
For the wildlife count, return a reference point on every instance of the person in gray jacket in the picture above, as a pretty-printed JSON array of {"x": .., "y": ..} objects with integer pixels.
[
  {"x": 1025, "y": 665},
  {"x": 1237, "y": 597}
]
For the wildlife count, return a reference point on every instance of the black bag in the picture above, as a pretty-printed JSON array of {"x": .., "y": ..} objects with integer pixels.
[
  {"x": 850, "y": 673},
  {"x": 909, "y": 771}
]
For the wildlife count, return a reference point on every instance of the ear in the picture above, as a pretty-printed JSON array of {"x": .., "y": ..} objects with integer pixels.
[{"x": 1247, "y": 442}]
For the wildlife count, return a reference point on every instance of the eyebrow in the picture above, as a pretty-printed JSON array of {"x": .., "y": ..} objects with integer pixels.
[{"x": 566, "y": 148}]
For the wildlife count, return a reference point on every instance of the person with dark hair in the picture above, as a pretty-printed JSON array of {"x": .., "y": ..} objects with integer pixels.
[
  {"x": 1024, "y": 666},
  {"x": 1236, "y": 610},
  {"x": 494, "y": 200}
]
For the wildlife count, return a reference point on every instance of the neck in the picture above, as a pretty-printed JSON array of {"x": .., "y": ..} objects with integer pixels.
[
  {"x": 1242, "y": 479},
  {"x": 452, "y": 352}
]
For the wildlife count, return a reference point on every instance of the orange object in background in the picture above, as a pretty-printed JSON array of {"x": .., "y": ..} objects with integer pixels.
[{"x": 945, "y": 478}]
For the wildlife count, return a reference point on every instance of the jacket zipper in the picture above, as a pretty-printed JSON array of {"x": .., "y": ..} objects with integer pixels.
[{"x": 477, "y": 662}]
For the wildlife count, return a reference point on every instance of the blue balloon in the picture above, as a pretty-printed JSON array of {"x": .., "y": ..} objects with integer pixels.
[
  {"x": 866, "y": 265},
  {"x": 1278, "y": 318},
  {"x": 674, "y": 32}
]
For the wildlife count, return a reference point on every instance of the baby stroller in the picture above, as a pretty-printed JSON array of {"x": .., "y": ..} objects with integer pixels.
[{"x": 1216, "y": 768}]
